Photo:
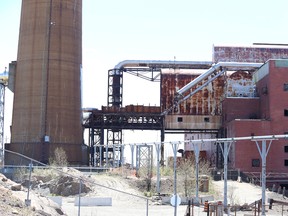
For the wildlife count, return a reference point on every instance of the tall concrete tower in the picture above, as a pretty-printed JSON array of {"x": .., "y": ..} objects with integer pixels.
[{"x": 47, "y": 82}]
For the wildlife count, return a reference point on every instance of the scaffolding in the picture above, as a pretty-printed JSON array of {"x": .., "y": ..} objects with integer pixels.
[{"x": 3, "y": 84}]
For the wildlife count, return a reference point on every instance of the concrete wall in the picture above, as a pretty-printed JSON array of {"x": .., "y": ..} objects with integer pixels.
[
  {"x": 192, "y": 122},
  {"x": 93, "y": 201},
  {"x": 47, "y": 91}
]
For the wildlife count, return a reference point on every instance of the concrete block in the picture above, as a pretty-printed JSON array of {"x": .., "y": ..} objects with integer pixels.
[
  {"x": 56, "y": 199},
  {"x": 93, "y": 201},
  {"x": 201, "y": 200}
]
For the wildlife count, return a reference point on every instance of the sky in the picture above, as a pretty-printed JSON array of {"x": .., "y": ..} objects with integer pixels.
[{"x": 115, "y": 30}]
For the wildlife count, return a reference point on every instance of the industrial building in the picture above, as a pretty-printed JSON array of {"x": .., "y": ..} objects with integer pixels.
[
  {"x": 264, "y": 113},
  {"x": 240, "y": 92},
  {"x": 252, "y": 104},
  {"x": 223, "y": 98}
]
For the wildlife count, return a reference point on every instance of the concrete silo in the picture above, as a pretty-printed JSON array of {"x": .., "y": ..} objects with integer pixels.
[{"x": 47, "y": 81}]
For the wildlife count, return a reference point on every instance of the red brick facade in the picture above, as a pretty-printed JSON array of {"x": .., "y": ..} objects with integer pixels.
[{"x": 266, "y": 114}]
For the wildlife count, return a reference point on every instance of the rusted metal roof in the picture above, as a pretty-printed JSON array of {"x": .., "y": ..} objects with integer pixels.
[{"x": 248, "y": 54}]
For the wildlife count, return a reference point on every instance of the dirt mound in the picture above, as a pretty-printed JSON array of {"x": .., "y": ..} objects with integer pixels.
[
  {"x": 62, "y": 182},
  {"x": 68, "y": 186},
  {"x": 13, "y": 196}
]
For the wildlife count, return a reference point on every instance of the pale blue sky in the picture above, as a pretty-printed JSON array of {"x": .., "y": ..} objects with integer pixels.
[{"x": 116, "y": 30}]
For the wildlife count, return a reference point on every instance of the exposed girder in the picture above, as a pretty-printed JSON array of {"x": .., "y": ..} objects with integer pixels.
[{"x": 207, "y": 77}]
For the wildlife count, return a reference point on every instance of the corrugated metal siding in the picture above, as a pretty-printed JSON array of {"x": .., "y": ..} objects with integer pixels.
[{"x": 205, "y": 102}]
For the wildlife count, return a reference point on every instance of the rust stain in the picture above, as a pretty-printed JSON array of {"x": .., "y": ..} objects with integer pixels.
[
  {"x": 240, "y": 84},
  {"x": 205, "y": 102},
  {"x": 247, "y": 54},
  {"x": 129, "y": 109}
]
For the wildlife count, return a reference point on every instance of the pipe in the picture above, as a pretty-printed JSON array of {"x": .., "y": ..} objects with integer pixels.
[
  {"x": 164, "y": 64},
  {"x": 228, "y": 65}
]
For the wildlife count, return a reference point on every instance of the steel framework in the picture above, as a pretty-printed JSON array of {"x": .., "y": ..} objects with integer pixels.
[
  {"x": 115, "y": 92},
  {"x": 225, "y": 143},
  {"x": 115, "y": 121},
  {"x": 2, "y": 102},
  {"x": 99, "y": 121},
  {"x": 144, "y": 160}
]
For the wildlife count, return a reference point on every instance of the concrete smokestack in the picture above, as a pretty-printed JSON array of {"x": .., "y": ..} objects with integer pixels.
[{"x": 47, "y": 89}]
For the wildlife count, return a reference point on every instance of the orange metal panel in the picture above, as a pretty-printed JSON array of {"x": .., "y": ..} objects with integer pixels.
[{"x": 205, "y": 102}]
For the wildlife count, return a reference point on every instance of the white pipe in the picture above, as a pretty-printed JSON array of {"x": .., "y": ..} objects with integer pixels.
[
  {"x": 227, "y": 65},
  {"x": 164, "y": 64},
  {"x": 252, "y": 138},
  {"x": 197, "y": 80}
]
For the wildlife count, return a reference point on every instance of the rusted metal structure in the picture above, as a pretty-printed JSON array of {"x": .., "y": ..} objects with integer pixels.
[
  {"x": 199, "y": 110},
  {"x": 129, "y": 117},
  {"x": 47, "y": 89},
  {"x": 114, "y": 120},
  {"x": 257, "y": 54}
]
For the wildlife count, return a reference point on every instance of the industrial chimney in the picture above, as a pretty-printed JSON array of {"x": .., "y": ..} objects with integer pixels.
[{"x": 47, "y": 84}]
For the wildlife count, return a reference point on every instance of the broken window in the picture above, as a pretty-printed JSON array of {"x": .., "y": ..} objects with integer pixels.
[{"x": 255, "y": 162}]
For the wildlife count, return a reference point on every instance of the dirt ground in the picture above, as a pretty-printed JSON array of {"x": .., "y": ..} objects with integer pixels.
[
  {"x": 125, "y": 204},
  {"x": 127, "y": 198},
  {"x": 245, "y": 193}
]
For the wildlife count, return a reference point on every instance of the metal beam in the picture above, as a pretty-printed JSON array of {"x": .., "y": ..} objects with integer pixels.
[
  {"x": 175, "y": 147},
  {"x": 225, "y": 152},
  {"x": 158, "y": 148},
  {"x": 263, "y": 151},
  {"x": 197, "y": 147},
  {"x": 227, "y": 146}
]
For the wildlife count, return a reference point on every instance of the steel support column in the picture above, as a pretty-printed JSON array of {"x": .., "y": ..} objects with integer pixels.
[
  {"x": 158, "y": 147},
  {"x": 225, "y": 152},
  {"x": 162, "y": 142},
  {"x": 263, "y": 151},
  {"x": 115, "y": 94},
  {"x": 96, "y": 140},
  {"x": 132, "y": 147},
  {"x": 144, "y": 160},
  {"x": 175, "y": 147},
  {"x": 2, "y": 102},
  {"x": 196, "y": 147}
]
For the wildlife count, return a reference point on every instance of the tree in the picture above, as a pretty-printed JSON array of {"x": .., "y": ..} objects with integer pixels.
[
  {"x": 187, "y": 174},
  {"x": 59, "y": 158}
]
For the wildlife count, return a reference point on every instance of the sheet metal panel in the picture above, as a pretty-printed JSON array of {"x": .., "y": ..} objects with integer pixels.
[
  {"x": 240, "y": 84},
  {"x": 205, "y": 102},
  {"x": 248, "y": 54}
]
